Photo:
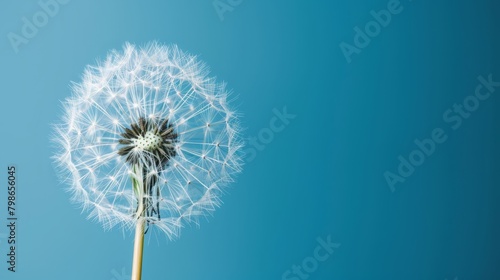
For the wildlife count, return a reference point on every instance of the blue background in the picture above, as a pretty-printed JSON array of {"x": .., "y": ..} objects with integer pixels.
[{"x": 322, "y": 175}]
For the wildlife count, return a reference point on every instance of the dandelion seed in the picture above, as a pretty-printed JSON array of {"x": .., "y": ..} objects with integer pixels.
[{"x": 147, "y": 140}]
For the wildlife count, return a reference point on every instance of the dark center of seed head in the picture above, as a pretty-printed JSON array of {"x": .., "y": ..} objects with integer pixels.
[{"x": 150, "y": 139}]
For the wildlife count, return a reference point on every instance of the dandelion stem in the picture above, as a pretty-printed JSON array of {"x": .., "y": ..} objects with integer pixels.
[
  {"x": 138, "y": 249},
  {"x": 137, "y": 185}
]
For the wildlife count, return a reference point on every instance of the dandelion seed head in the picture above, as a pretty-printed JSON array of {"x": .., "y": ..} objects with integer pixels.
[{"x": 154, "y": 107}]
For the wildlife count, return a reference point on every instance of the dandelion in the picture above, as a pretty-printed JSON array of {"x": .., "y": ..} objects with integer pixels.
[{"x": 147, "y": 139}]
